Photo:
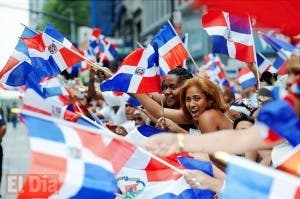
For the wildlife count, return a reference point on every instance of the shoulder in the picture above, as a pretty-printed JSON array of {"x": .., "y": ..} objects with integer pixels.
[
  {"x": 210, "y": 114},
  {"x": 208, "y": 121},
  {"x": 215, "y": 120}
]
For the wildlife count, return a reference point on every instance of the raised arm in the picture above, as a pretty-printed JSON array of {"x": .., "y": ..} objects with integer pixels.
[
  {"x": 231, "y": 141},
  {"x": 156, "y": 110}
]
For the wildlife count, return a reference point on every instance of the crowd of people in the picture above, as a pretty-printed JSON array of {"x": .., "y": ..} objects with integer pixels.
[{"x": 199, "y": 116}]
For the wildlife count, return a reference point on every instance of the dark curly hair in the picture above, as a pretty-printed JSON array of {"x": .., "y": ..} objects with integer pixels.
[{"x": 182, "y": 74}]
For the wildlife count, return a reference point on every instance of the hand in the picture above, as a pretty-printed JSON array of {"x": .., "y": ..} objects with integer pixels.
[
  {"x": 92, "y": 74},
  {"x": 104, "y": 73},
  {"x": 200, "y": 156},
  {"x": 120, "y": 130},
  {"x": 162, "y": 144},
  {"x": 169, "y": 125},
  {"x": 200, "y": 180}
]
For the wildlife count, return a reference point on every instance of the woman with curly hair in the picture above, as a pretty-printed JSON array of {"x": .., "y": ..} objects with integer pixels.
[{"x": 202, "y": 102}]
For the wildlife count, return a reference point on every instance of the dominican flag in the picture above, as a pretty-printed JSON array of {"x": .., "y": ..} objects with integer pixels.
[
  {"x": 50, "y": 106},
  {"x": 185, "y": 41},
  {"x": 48, "y": 97},
  {"x": 284, "y": 51},
  {"x": 108, "y": 51},
  {"x": 279, "y": 65},
  {"x": 278, "y": 120},
  {"x": 214, "y": 71},
  {"x": 70, "y": 155},
  {"x": 140, "y": 175},
  {"x": 49, "y": 56},
  {"x": 18, "y": 66},
  {"x": 101, "y": 47},
  {"x": 246, "y": 78},
  {"x": 139, "y": 73},
  {"x": 263, "y": 63},
  {"x": 290, "y": 162},
  {"x": 94, "y": 41},
  {"x": 171, "y": 49},
  {"x": 52, "y": 87},
  {"x": 55, "y": 35},
  {"x": 230, "y": 35},
  {"x": 141, "y": 133},
  {"x": 254, "y": 180}
]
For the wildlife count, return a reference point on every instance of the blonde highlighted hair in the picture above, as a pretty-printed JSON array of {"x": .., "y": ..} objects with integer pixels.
[{"x": 213, "y": 93}]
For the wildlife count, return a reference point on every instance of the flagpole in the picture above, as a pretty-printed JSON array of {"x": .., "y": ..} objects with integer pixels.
[
  {"x": 196, "y": 66},
  {"x": 254, "y": 51},
  {"x": 139, "y": 44},
  {"x": 105, "y": 132},
  {"x": 77, "y": 53},
  {"x": 162, "y": 107}
]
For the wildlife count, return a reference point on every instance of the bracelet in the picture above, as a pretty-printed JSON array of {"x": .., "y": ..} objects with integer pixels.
[{"x": 180, "y": 140}]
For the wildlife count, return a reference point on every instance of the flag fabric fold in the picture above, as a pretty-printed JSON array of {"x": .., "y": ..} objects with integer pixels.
[
  {"x": 82, "y": 165},
  {"x": 290, "y": 162},
  {"x": 284, "y": 51},
  {"x": 263, "y": 63},
  {"x": 230, "y": 35},
  {"x": 277, "y": 120},
  {"x": 171, "y": 49},
  {"x": 48, "y": 55},
  {"x": 138, "y": 73},
  {"x": 18, "y": 66},
  {"x": 246, "y": 78},
  {"x": 254, "y": 180}
]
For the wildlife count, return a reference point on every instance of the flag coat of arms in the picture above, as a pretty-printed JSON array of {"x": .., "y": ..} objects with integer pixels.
[
  {"x": 48, "y": 55},
  {"x": 74, "y": 153},
  {"x": 142, "y": 176},
  {"x": 231, "y": 35},
  {"x": 138, "y": 73}
]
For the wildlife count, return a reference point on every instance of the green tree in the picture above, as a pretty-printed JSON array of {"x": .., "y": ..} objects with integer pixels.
[{"x": 61, "y": 12}]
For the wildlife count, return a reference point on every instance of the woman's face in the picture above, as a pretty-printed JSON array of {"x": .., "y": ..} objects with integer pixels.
[
  {"x": 195, "y": 102},
  {"x": 172, "y": 91},
  {"x": 129, "y": 111}
]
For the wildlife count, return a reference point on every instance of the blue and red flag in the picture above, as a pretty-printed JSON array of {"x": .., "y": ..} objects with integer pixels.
[
  {"x": 230, "y": 35},
  {"x": 284, "y": 51},
  {"x": 246, "y": 78},
  {"x": 108, "y": 51},
  {"x": 74, "y": 156},
  {"x": 139, "y": 73},
  {"x": 171, "y": 49},
  {"x": 263, "y": 63},
  {"x": 142, "y": 176},
  {"x": 50, "y": 53},
  {"x": 257, "y": 181},
  {"x": 276, "y": 120},
  {"x": 18, "y": 66}
]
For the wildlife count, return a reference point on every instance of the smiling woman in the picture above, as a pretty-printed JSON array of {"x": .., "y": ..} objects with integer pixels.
[
  {"x": 14, "y": 12},
  {"x": 201, "y": 100}
]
